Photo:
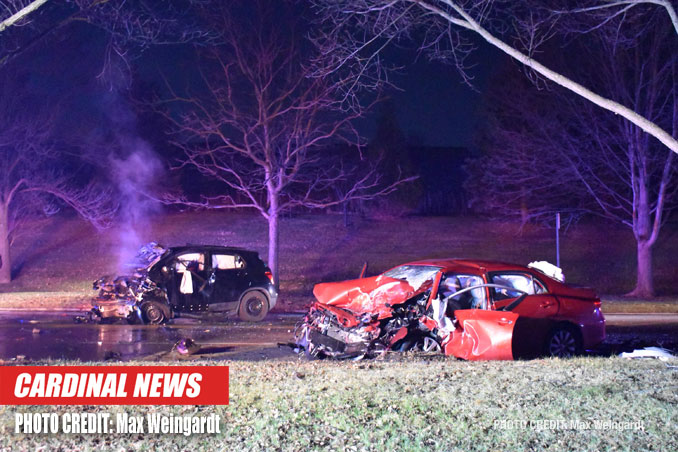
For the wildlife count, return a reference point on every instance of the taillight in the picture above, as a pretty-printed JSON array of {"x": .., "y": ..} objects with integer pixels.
[
  {"x": 597, "y": 304},
  {"x": 269, "y": 275}
]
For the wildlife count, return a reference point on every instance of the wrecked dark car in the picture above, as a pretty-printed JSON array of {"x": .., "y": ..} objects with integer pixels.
[
  {"x": 191, "y": 279},
  {"x": 473, "y": 310}
]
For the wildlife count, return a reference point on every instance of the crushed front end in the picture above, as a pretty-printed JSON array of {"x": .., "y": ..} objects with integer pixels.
[
  {"x": 332, "y": 332},
  {"x": 122, "y": 296}
]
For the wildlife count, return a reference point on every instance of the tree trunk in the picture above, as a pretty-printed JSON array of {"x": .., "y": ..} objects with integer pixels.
[
  {"x": 644, "y": 287},
  {"x": 273, "y": 238},
  {"x": 642, "y": 230},
  {"x": 5, "y": 261}
]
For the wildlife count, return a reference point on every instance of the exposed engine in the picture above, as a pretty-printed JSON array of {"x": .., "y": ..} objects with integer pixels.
[
  {"x": 332, "y": 332},
  {"x": 121, "y": 296}
]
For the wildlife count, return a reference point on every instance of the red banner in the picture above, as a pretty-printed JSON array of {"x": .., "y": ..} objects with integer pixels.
[{"x": 113, "y": 385}]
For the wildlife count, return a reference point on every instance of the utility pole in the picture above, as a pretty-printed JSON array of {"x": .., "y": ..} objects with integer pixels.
[{"x": 558, "y": 239}]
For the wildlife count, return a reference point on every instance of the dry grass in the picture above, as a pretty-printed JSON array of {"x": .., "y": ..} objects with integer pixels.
[
  {"x": 612, "y": 304},
  {"x": 410, "y": 403},
  {"x": 66, "y": 255}
]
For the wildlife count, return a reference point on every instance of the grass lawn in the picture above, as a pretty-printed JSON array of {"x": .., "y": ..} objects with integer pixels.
[
  {"x": 64, "y": 254},
  {"x": 412, "y": 403}
]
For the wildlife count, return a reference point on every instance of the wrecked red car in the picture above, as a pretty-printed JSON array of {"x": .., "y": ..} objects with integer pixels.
[{"x": 474, "y": 310}]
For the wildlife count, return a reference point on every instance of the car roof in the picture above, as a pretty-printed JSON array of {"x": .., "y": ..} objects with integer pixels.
[
  {"x": 227, "y": 249},
  {"x": 473, "y": 266}
]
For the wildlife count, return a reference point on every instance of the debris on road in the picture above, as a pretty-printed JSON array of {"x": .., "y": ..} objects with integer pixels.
[
  {"x": 186, "y": 346},
  {"x": 659, "y": 353}
]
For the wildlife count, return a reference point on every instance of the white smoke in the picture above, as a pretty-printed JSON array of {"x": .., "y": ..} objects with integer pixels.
[{"x": 136, "y": 176}]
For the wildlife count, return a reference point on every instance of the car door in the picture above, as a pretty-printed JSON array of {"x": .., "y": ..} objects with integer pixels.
[
  {"x": 190, "y": 284},
  {"x": 229, "y": 276},
  {"x": 536, "y": 308},
  {"x": 537, "y": 303},
  {"x": 481, "y": 335}
]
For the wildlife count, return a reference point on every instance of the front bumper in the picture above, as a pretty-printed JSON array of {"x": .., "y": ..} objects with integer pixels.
[{"x": 117, "y": 308}]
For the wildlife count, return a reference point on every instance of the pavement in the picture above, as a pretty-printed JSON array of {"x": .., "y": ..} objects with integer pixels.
[
  {"x": 39, "y": 335},
  {"x": 644, "y": 318}
]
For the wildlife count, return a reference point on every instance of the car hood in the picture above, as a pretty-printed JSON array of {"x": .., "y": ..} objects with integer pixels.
[{"x": 374, "y": 295}]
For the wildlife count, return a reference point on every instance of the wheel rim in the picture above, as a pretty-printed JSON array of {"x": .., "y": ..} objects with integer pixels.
[
  {"x": 154, "y": 315},
  {"x": 254, "y": 306},
  {"x": 430, "y": 345},
  {"x": 563, "y": 344}
]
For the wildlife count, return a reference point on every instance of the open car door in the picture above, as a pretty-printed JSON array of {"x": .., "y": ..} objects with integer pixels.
[{"x": 481, "y": 335}]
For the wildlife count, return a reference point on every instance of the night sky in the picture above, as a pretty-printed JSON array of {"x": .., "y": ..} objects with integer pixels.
[{"x": 433, "y": 105}]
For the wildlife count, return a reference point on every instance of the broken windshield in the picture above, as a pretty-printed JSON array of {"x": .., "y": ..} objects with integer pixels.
[
  {"x": 147, "y": 256},
  {"x": 414, "y": 275}
]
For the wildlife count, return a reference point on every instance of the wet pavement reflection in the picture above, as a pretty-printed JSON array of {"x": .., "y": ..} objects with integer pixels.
[
  {"x": 31, "y": 335},
  {"x": 27, "y": 336}
]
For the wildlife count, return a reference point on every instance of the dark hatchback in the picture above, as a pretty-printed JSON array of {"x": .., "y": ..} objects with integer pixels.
[{"x": 191, "y": 279}]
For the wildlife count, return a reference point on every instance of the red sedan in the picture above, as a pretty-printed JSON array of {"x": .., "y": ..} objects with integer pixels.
[{"x": 470, "y": 309}]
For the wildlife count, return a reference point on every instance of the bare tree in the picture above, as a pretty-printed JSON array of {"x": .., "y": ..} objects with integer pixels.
[
  {"x": 357, "y": 30},
  {"x": 131, "y": 27},
  {"x": 15, "y": 12},
  {"x": 262, "y": 127},
  {"x": 549, "y": 152},
  {"x": 609, "y": 10},
  {"x": 516, "y": 176},
  {"x": 39, "y": 173}
]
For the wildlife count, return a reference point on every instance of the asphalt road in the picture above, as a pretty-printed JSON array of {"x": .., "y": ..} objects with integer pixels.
[{"x": 34, "y": 335}]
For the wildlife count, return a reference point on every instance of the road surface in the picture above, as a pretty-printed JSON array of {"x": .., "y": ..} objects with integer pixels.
[{"x": 34, "y": 335}]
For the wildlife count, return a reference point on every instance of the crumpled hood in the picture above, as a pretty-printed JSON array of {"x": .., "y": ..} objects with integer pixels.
[{"x": 366, "y": 295}]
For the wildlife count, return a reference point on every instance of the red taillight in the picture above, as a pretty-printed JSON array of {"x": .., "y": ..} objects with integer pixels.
[
  {"x": 269, "y": 275},
  {"x": 597, "y": 304}
]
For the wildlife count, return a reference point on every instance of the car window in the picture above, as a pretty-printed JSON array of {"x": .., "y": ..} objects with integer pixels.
[
  {"x": 414, "y": 275},
  {"x": 454, "y": 282},
  {"x": 227, "y": 261},
  {"x": 522, "y": 282},
  {"x": 190, "y": 261},
  {"x": 539, "y": 287}
]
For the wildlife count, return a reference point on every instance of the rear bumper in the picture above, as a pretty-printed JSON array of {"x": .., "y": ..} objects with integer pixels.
[
  {"x": 272, "y": 296},
  {"x": 593, "y": 331}
]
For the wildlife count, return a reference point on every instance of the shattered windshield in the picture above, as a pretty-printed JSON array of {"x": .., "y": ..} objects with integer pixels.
[
  {"x": 415, "y": 275},
  {"x": 147, "y": 255}
]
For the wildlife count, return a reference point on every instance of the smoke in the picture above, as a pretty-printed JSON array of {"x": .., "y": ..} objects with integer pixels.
[
  {"x": 135, "y": 169},
  {"x": 136, "y": 176}
]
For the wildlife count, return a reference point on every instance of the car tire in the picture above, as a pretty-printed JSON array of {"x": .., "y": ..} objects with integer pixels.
[
  {"x": 404, "y": 345},
  {"x": 253, "y": 307},
  {"x": 563, "y": 341},
  {"x": 430, "y": 345},
  {"x": 424, "y": 344},
  {"x": 154, "y": 313}
]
